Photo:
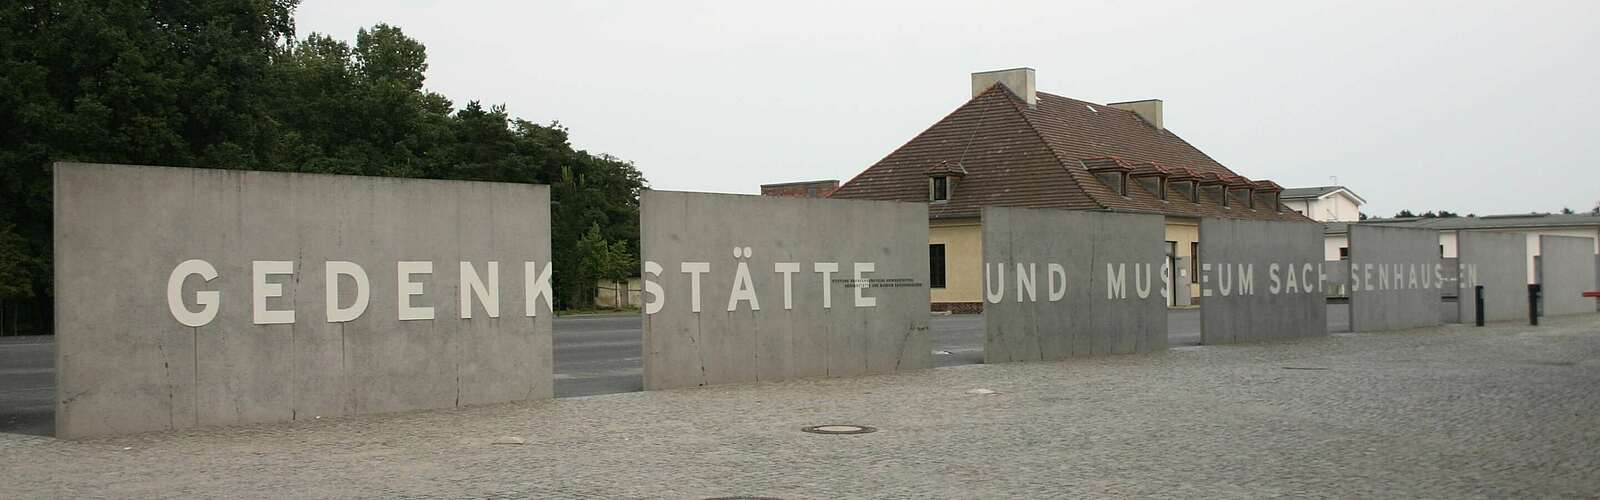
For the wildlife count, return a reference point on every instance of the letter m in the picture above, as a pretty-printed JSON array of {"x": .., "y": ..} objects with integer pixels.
[{"x": 1116, "y": 281}]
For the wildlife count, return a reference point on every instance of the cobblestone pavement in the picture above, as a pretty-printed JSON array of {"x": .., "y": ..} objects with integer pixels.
[{"x": 1448, "y": 412}]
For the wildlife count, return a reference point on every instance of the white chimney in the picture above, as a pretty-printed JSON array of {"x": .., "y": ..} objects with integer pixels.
[
  {"x": 1149, "y": 110},
  {"x": 1019, "y": 80}
]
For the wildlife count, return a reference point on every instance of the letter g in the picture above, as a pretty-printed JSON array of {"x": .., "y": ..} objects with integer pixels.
[{"x": 206, "y": 299}]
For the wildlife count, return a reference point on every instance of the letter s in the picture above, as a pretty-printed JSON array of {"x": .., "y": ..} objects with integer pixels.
[
  {"x": 207, "y": 300},
  {"x": 656, "y": 301}
]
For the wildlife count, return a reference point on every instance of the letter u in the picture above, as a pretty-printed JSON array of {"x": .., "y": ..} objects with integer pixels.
[{"x": 994, "y": 292}]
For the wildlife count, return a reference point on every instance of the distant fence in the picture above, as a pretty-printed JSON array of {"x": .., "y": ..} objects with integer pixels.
[{"x": 617, "y": 294}]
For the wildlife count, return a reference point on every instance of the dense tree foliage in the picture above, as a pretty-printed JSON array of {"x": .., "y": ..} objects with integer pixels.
[
  {"x": 1442, "y": 214},
  {"x": 226, "y": 84}
]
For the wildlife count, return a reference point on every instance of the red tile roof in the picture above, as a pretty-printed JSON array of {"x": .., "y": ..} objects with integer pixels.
[{"x": 1040, "y": 157}]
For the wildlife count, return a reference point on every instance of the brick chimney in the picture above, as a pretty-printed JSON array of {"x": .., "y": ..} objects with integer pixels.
[
  {"x": 1148, "y": 110},
  {"x": 1019, "y": 80}
]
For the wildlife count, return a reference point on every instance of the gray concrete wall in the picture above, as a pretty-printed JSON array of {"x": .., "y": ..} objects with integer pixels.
[
  {"x": 126, "y": 363},
  {"x": 1395, "y": 278},
  {"x": 752, "y": 325},
  {"x": 1075, "y": 310},
  {"x": 1568, "y": 264},
  {"x": 1498, "y": 262},
  {"x": 1261, "y": 280}
]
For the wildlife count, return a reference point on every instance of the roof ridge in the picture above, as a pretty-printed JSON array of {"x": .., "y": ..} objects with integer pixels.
[
  {"x": 1158, "y": 131},
  {"x": 922, "y": 133}
]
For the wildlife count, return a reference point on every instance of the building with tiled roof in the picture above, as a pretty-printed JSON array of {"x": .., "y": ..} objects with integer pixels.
[{"x": 1013, "y": 146}]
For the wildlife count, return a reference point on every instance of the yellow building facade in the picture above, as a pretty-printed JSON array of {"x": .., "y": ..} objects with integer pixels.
[{"x": 962, "y": 241}]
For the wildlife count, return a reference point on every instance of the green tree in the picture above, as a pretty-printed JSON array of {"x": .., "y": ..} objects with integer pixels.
[
  {"x": 17, "y": 264},
  {"x": 1404, "y": 213},
  {"x": 161, "y": 82},
  {"x": 1567, "y": 211},
  {"x": 226, "y": 84},
  {"x": 598, "y": 260}
]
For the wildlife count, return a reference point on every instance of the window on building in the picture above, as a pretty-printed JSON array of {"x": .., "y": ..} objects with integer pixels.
[
  {"x": 1115, "y": 181},
  {"x": 1194, "y": 262},
  {"x": 1185, "y": 188},
  {"x": 1344, "y": 253},
  {"x": 936, "y": 265},
  {"x": 941, "y": 188}
]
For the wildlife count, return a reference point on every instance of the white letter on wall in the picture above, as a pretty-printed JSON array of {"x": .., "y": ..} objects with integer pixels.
[
  {"x": 1116, "y": 281},
  {"x": 827, "y": 269},
  {"x": 1027, "y": 278},
  {"x": 787, "y": 269},
  {"x": 535, "y": 286},
  {"x": 261, "y": 290},
  {"x": 862, "y": 268},
  {"x": 656, "y": 300},
  {"x": 1275, "y": 285},
  {"x": 407, "y": 288},
  {"x": 694, "y": 270},
  {"x": 1306, "y": 272},
  {"x": 992, "y": 291},
  {"x": 336, "y": 268},
  {"x": 1247, "y": 279},
  {"x": 1141, "y": 281},
  {"x": 1052, "y": 271},
  {"x": 207, "y": 299},
  {"x": 472, "y": 285},
  {"x": 743, "y": 289}
]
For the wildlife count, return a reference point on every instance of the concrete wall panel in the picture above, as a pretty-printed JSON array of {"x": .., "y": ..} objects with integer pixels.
[
  {"x": 126, "y": 364},
  {"x": 740, "y": 241},
  {"x": 1568, "y": 264},
  {"x": 1086, "y": 318},
  {"x": 1395, "y": 278},
  {"x": 1261, "y": 280},
  {"x": 1498, "y": 262}
]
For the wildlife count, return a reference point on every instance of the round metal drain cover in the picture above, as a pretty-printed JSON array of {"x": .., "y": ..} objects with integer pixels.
[{"x": 838, "y": 429}]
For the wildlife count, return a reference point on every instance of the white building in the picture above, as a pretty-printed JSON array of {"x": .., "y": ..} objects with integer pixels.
[
  {"x": 1531, "y": 225},
  {"x": 1324, "y": 203}
]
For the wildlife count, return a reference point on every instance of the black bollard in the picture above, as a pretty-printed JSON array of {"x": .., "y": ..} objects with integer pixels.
[
  {"x": 1479, "y": 301},
  {"x": 1533, "y": 305}
]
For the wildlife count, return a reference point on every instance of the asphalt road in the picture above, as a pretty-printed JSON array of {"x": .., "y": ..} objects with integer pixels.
[{"x": 593, "y": 355}]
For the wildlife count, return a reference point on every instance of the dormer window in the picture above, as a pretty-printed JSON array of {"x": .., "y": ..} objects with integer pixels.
[
  {"x": 942, "y": 177},
  {"x": 1217, "y": 191},
  {"x": 1113, "y": 172},
  {"x": 1187, "y": 190},
  {"x": 1152, "y": 177},
  {"x": 1114, "y": 180},
  {"x": 1155, "y": 185},
  {"x": 1244, "y": 194}
]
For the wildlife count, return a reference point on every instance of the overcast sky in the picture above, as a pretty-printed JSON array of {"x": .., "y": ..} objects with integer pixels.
[{"x": 1484, "y": 107}]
